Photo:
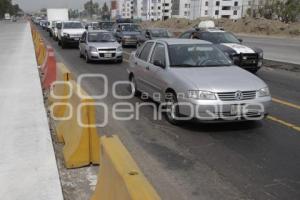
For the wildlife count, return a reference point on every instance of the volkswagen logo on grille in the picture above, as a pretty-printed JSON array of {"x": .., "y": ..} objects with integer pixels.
[{"x": 238, "y": 95}]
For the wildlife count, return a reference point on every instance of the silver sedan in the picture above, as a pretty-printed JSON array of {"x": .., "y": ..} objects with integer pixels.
[
  {"x": 194, "y": 79},
  {"x": 100, "y": 45}
]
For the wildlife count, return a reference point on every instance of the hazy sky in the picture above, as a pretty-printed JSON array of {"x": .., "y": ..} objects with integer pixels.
[{"x": 33, "y": 5}]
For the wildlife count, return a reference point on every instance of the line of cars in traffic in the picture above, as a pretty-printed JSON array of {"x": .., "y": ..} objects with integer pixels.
[
  {"x": 130, "y": 34},
  {"x": 199, "y": 75}
]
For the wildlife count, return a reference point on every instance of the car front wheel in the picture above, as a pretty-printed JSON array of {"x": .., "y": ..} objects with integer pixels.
[
  {"x": 133, "y": 86},
  {"x": 87, "y": 59},
  {"x": 172, "y": 113}
]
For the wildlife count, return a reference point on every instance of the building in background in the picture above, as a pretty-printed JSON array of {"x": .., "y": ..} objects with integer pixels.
[
  {"x": 156, "y": 9},
  {"x": 231, "y": 9},
  {"x": 190, "y": 9}
]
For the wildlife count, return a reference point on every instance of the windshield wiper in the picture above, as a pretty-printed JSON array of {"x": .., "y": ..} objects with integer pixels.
[
  {"x": 225, "y": 65},
  {"x": 184, "y": 65}
]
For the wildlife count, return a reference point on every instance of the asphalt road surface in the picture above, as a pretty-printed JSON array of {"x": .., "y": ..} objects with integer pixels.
[
  {"x": 195, "y": 161},
  {"x": 277, "y": 49}
]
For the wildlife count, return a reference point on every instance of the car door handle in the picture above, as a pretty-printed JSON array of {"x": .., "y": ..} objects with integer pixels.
[{"x": 147, "y": 68}]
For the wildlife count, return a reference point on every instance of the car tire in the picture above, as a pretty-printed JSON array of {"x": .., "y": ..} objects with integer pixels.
[
  {"x": 133, "y": 86},
  {"x": 254, "y": 71},
  {"x": 119, "y": 60},
  {"x": 87, "y": 59},
  {"x": 172, "y": 113},
  {"x": 80, "y": 54},
  {"x": 63, "y": 45}
]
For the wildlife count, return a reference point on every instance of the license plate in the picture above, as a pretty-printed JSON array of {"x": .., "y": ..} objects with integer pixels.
[
  {"x": 107, "y": 55},
  {"x": 235, "y": 109}
]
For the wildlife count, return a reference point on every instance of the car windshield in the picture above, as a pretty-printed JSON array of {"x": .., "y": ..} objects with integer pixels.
[
  {"x": 101, "y": 37},
  {"x": 106, "y": 25},
  {"x": 196, "y": 55},
  {"x": 160, "y": 33},
  {"x": 130, "y": 27},
  {"x": 219, "y": 37},
  {"x": 72, "y": 25}
]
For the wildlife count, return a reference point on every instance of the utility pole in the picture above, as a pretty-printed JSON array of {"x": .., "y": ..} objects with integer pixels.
[
  {"x": 252, "y": 8},
  {"x": 91, "y": 9},
  {"x": 163, "y": 19}
]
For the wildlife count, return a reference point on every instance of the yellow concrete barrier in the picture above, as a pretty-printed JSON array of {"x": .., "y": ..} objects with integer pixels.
[
  {"x": 42, "y": 53},
  {"x": 119, "y": 176},
  {"x": 81, "y": 140},
  {"x": 60, "y": 93},
  {"x": 39, "y": 46},
  {"x": 61, "y": 89}
]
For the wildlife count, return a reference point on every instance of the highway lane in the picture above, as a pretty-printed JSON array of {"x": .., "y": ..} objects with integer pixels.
[
  {"x": 277, "y": 49},
  {"x": 250, "y": 160}
]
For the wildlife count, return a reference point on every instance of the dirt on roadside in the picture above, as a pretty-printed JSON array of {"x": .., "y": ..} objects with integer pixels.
[{"x": 259, "y": 26}]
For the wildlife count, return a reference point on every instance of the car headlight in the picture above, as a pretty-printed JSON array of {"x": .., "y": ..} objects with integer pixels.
[
  {"x": 261, "y": 54},
  {"x": 202, "y": 95},
  {"x": 119, "y": 49},
  {"x": 93, "y": 49},
  {"x": 264, "y": 92}
]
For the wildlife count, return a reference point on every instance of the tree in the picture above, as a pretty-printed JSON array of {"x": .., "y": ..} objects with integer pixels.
[
  {"x": 291, "y": 11},
  {"x": 105, "y": 12},
  {"x": 6, "y": 6},
  {"x": 74, "y": 13},
  {"x": 91, "y": 8},
  {"x": 286, "y": 11}
]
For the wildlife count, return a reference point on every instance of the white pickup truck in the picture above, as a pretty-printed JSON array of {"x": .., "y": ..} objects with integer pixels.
[
  {"x": 69, "y": 32},
  {"x": 55, "y": 15}
]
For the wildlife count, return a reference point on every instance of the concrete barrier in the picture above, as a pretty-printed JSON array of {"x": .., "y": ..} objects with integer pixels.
[
  {"x": 39, "y": 46},
  {"x": 28, "y": 165},
  {"x": 49, "y": 69},
  {"x": 119, "y": 176},
  {"x": 79, "y": 132},
  {"x": 60, "y": 92},
  {"x": 41, "y": 53}
]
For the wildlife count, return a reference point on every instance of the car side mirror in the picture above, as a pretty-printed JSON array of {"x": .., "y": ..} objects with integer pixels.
[
  {"x": 240, "y": 39},
  {"x": 159, "y": 63}
]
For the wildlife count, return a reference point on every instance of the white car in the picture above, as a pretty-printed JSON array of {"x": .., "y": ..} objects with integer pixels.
[
  {"x": 195, "y": 79},
  {"x": 69, "y": 32},
  {"x": 100, "y": 45}
]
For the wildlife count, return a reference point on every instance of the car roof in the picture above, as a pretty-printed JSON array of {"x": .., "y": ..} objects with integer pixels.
[
  {"x": 156, "y": 29},
  {"x": 71, "y": 21},
  {"x": 210, "y": 30},
  {"x": 172, "y": 41},
  {"x": 127, "y": 23},
  {"x": 98, "y": 31}
]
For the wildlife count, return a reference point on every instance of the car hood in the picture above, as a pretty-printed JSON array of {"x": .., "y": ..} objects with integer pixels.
[
  {"x": 133, "y": 33},
  {"x": 237, "y": 48},
  {"x": 74, "y": 31},
  {"x": 104, "y": 44},
  {"x": 218, "y": 79}
]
